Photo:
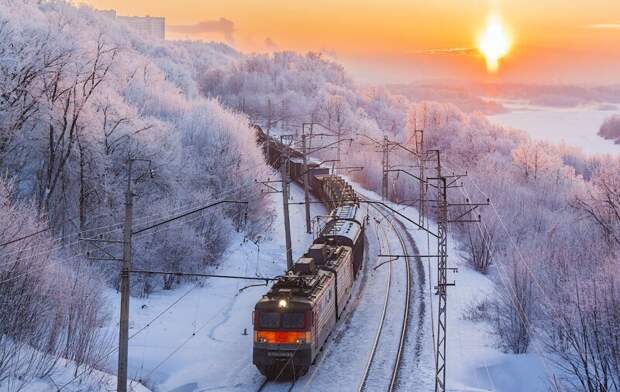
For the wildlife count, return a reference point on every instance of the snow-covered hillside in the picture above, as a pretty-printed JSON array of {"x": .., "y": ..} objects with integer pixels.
[
  {"x": 83, "y": 99},
  {"x": 80, "y": 97}
]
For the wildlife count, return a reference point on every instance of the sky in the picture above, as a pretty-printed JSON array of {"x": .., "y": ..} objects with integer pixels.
[{"x": 552, "y": 41}]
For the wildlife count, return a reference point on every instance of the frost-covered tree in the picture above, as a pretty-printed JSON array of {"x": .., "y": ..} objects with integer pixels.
[
  {"x": 76, "y": 107},
  {"x": 53, "y": 305},
  {"x": 601, "y": 201}
]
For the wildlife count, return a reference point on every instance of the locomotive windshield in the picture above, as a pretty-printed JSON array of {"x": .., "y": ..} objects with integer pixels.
[
  {"x": 276, "y": 320},
  {"x": 269, "y": 320},
  {"x": 293, "y": 320}
]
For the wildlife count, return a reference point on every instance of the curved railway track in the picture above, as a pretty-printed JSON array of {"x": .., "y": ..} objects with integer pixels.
[
  {"x": 396, "y": 365},
  {"x": 388, "y": 347}
]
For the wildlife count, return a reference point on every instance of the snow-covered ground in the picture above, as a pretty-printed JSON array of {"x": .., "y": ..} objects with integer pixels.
[
  {"x": 575, "y": 126},
  {"x": 474, "y": 363},
  {"x": 197, "y": 342},
  {"x": 65, "y": 377}
]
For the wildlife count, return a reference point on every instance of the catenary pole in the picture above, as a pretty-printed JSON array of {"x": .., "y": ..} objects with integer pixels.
[
  {"x": 306, "y": 182},
  {"x": 123, "y": 336},
  {"x": 287, "y": 223}
]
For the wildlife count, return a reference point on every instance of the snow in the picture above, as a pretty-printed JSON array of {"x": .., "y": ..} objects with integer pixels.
[
  {"x": 577, "y": 127},
  {"x": 63, "y": 378},
  {"x": 345, "y": 355},
  {"x": 198, "y": 344},
  {"x": 473, "y": 361}
]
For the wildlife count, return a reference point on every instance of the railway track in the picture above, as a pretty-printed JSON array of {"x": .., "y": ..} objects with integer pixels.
[
  {"x": 372, "y": 371},
  {"x": 267, "y": 385}
]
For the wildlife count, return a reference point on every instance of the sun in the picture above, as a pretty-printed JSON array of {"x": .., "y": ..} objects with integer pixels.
[{"x": 494, "y": 43}]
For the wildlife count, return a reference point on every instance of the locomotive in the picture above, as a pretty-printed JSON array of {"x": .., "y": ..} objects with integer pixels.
[{"x": 293, "y": 320}]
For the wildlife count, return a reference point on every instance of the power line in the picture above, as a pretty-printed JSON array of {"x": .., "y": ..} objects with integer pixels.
[
  {"x": 144, "y": 327},
  {"x": 62, "y": 246},
  {"x": 128, "y": 232},
  {"x": 188, "y": 213},
  {"x": 59, "y": 260},
  {"x": 24, "y": 237},
  {"x": 30, "y": 235},
  {"x": 505, "y": 281},
  {"x": 203, "y": 275}
]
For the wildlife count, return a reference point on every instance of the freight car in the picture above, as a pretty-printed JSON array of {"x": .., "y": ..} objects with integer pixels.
[{"x": 294, "y": 319}]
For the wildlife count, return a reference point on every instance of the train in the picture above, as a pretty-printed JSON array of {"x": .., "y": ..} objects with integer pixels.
[{"x": 294, "y": 319}]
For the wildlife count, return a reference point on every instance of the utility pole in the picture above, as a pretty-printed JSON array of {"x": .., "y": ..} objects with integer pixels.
[
  {"x": 284, "y": 169},
  {"x": 123, "y": 336},
  {"x": 386, "y": 167},
  {"x": 442, "y": 283},
  {"x": 443, "y": 219},
  {"x": 338, "y": 145},
  {"x": 128, "y": 232},
  {"x": 306, "y": 179},
  {"x": 269, "y": 120},
  {"x": 284, "y": 158},
  {"x": 419, "y": 149}
]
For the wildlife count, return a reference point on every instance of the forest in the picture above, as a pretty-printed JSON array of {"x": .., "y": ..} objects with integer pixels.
[
  {"x": 76, "y": 108},
  {"x": 549, "y": 237}
]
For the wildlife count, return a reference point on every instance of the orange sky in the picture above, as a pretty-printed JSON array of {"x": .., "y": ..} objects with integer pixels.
[{"x": 556, "y": 40}]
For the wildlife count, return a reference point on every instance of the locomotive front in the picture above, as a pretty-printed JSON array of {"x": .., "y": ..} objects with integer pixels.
[{"x": 282, "y": 335}]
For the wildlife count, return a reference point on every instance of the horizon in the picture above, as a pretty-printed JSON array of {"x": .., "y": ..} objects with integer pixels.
[{"x": 401, "y": 42}]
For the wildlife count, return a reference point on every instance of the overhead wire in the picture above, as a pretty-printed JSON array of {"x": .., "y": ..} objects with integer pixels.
[
  {"x": 505, "y": 280},
  {"x": 161, "y": 313},
  {"x": 137, "y": 220},
  {"x": 59, "y": 259},
  {"x": 142, "y": 329},
  {"x": 144, "y": 222}
]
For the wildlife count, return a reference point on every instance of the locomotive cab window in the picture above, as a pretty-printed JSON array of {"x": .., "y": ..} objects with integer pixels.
[
  {"x": 269, "y": 320},
  {"x": 293, "y": 320}
]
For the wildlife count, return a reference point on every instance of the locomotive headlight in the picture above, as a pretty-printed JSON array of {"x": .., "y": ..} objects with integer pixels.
[
  {"x": 301, "y": 341},
  {"x": 282, "y": 303}
]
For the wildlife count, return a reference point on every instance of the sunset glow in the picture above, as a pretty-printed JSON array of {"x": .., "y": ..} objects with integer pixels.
[
  {"x": 397, "y": 40},
  {"x": 494, "y": 43}
]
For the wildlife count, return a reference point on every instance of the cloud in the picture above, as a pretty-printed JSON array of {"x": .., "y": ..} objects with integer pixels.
[
  {"x": 455, "y": 51},
  {"x": 222, "y": 25},
  {"x": 604, "y": 26},
  {"x": 270, "y": 44}
]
